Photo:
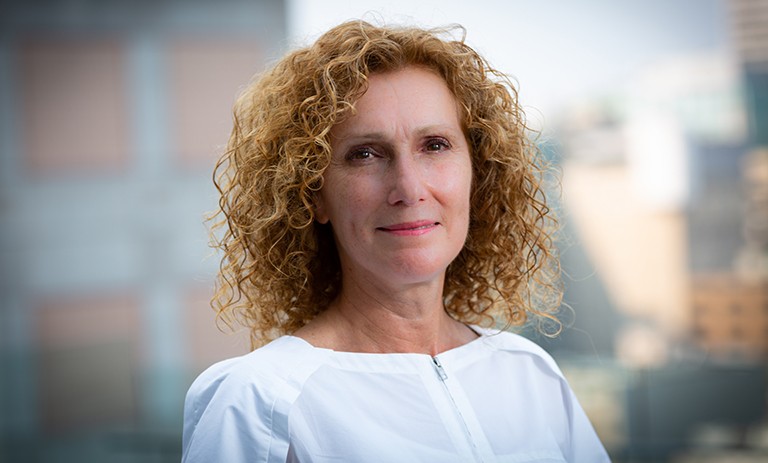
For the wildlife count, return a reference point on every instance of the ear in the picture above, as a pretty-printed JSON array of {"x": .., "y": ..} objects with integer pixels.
[{"x": 321, "y": 215}]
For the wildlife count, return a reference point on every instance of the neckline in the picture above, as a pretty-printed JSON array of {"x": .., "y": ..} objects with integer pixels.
[{"x": 482, "y": 334}]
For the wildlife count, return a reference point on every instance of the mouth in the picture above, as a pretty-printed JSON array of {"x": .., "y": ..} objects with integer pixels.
[{"x": 410, "y": 228}]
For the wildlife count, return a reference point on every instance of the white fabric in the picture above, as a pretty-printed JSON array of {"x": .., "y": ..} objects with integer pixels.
[{"x": 502, "y": 399}]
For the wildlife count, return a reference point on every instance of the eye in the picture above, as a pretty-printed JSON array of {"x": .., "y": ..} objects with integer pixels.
[
  {"x": 436, "y": 144},
  {"x": 361, "y": 153}
]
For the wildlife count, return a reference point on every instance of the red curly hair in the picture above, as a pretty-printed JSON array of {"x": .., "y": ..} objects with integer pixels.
[{"x": 280, "y": 267}]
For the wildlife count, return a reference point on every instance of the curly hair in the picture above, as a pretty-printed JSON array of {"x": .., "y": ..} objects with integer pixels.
[{"x": 280, "y": 267}]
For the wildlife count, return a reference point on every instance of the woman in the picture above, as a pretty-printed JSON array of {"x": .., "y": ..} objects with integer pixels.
[{"x": 381, "y": 206}]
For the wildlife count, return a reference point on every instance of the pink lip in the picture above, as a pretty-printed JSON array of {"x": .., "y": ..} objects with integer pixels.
[{"x": 410, "y": 228}]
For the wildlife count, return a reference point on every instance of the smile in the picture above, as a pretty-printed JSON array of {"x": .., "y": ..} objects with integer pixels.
[{"x": 410, "y": 228}]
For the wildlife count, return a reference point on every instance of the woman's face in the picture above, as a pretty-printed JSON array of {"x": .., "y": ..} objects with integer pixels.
[{"x": 397, "y": 190}]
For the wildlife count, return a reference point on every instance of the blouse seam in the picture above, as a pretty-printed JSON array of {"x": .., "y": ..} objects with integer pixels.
[{"x": 290, "y": 383}]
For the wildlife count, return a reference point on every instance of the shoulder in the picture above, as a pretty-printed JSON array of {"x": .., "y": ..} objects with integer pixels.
[
  {"x": 556, "y": 400},
  {"x": 246, "y": 392},
  {"x": 519, "y": 346},
  {"x": 261, "y": 367}
]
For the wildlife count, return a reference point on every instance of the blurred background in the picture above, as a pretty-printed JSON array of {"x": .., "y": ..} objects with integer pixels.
[{"x": 113, "y": 113}]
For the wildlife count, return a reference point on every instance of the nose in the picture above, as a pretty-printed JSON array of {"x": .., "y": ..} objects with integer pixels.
[{"x": 408, "y": 183}]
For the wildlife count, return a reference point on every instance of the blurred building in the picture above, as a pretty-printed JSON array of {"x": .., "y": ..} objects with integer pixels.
[
  {"x": 727, "y": 236},
  {"x": 730, "y": 294},
  {"x": 666, "y": 184},
  {"x": 730, "y": 316},
  {"x": 749, "y": 26},
  {"x": 749, "y": 23},
  {"x": 112, "y": 115},
  {"x": 752, "y": 262},
  {"x": 655, "y": 182}
]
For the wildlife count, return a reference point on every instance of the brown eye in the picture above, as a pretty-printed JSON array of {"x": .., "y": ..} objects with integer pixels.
[
  {"x": 436, "y": 144},
  {"x": 361, "y": 154}
]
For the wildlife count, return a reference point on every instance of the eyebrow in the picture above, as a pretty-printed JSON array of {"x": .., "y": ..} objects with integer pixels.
[{"x": 378, "y": 136}]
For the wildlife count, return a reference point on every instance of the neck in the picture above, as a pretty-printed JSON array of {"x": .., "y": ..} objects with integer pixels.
[{"x": 367, "y": 318}]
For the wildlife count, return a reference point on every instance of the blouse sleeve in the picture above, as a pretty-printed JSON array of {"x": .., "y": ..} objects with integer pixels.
[
  {"x": 585, "y": 444},
  {"x": 224, "y": 420},
  {"x": 580, "y": 443}
]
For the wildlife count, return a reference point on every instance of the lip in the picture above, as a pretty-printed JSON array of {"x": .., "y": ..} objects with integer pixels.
[{"x": 419, "y": 227}]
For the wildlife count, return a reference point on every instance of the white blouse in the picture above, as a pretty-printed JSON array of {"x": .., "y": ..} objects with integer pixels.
[{"x": 499, "y": 398}]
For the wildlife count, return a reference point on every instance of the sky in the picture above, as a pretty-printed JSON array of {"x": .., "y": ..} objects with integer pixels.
[{"x": 557, "y": 51}]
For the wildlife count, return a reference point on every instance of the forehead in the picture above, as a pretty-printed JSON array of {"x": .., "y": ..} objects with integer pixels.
[{"x": 406, "y": 98}]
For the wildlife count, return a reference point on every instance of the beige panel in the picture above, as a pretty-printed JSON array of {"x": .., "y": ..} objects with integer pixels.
[
  {"x": 74, "y": 106},
  {"x": 639, "y": 253},
  {"x": 730, "y": 315},
  {"x": 205, "y": 78},
  {"x": 207, "y": 342}
]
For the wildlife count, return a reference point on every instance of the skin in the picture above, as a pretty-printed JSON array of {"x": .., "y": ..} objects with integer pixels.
[{"x": 397, "y": 196}]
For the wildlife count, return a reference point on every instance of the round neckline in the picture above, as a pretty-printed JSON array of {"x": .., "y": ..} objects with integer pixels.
[{"x": 481, "y": 335}]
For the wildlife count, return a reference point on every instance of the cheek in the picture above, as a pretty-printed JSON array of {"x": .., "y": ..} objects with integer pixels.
[
  {"x": 460, "y": 196},
  {"x": 346, "y": 200},
  {"x": 456, "y": 185}
]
